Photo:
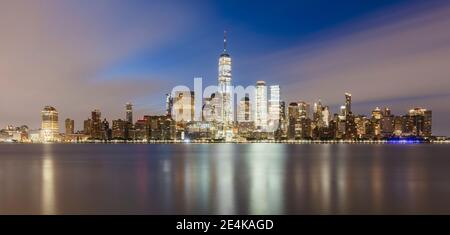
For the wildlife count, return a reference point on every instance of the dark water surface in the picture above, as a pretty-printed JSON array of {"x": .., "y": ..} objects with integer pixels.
[{"x": 224, "y": 179}]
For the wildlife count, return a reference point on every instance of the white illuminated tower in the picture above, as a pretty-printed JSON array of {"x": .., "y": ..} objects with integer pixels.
[
  {"x": 261, "y": 106},
  {"x": 274, "y": 107},
  {"x": 224, "y": 89}
]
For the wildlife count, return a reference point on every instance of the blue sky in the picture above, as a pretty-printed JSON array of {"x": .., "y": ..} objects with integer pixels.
[
  {"x": 87, "y": 54},
  {"x": 254, "y": 28}
]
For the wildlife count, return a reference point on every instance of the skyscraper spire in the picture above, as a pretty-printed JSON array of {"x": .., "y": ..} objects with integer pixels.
[
  {"x": 224, "y": 41},
  {"x": 225, "y": 116}
]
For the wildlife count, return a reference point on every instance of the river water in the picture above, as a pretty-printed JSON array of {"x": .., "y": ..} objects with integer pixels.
[{"x": 224, "y": 179}]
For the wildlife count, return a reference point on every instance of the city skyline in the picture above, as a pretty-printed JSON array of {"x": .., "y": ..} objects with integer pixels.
[
  {"x": 219, "y": 118},
  {"x": 258, "y": 118},
  {"x": 309, "y": 67}
]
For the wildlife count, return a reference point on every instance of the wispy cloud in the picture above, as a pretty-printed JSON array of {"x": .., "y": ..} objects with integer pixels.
[
  {"x": 401, "y": 54},
  {"x": 51, "y": 52}
]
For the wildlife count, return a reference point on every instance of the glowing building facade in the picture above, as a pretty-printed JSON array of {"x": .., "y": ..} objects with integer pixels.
[
  {"x": 183, "y": 107},
  {"x": 261, "y": 105},
  {"x": 244, "y": 110},
  {"x": 96, "y": 124},
  {"x": 224, "y": 88},
  {"x": 129, "y": 112},
  {"x": 348, "y": 104},
  {"x": 70, "y": 126},
  {"x": 49, "y": 125},
  {"x": 421, "y": 120},
  {"x": 274, "y": 107}
]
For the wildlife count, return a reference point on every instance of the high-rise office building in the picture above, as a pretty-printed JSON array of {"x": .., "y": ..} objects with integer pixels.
[
  {"x": 70, "y": 126},
  {"x": 183, "y": 107},
  {"x": 348, "y": 103},
  {"x": 106, "y": 131},
  {"x": 129, "y": 112},
  {"x": 387, "y": 123},
  {"x": 118, "y": 130},
  {"x": 408, "y": 127},
  {"x": 96, "y": 124},
  {"x": 207, "y": 110},
  {"x": 300, "y": 125},
  {"x": 318, "y": 115},
  {"x": 427, "y": 124},
  {"x": 283, "y": 118},
  {"x": 377, "y": 114},
  {"x": 211, "y": 109},
  {"x": 244, "y": 110},
  {"x": 274, "y": 107},
  {"x": 169, "y": 105},
  {"x": 351, "y": 131},
  {"x": 326, "y": 115},
  {"x": 87, "y": 126},
  {"x": 293, "y": 118},
  {"x": 421, "y": 120},
  {"x": 49, "y": 124},
  {"x": 361, "y": 123},
  {"x": 224, "y": 88},
  {"x": 398, "y": 125},
  {"x": 375, "y": 123},
  {"x": 342, "y": 113},
  {"x": 261, "y": 106},
  {"x": 304, "y": 109}
]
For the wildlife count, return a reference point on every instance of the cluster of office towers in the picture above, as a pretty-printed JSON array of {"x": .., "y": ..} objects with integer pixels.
[
  {"x": 297, "y": 121},
  {"x": 260, "y": 115},
  {"x": 266, "y": 116},
  {"x": 346, "y": 125},
  {"x": 258, "y": 110}
]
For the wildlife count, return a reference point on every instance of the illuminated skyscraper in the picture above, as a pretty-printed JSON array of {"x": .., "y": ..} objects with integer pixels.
[
  {"x": 375, "y": 123},
  {"x": 183, "y": 107},
  {"x": 317, "y": 115},
  {"x": 70, "y": 126},
  {"x": 342, "y": 113},
  {"x": 420, "y": 119},
  {"x": 304, "y": 109},
  {"x": 96, "y": 124},
  {"x": 299, "y": 121},
  {"x": 244, "y": 111},
  {"x": 387, "y": 123},
  {"x": 87, "y": 126},
  {"x": 49, "y": 125},
  {"x": 274, "y": 107},
  {"x": 106, "y": 131},
  {"x": 348, "y": 103},
  {"x": 211, "y": 108},
  {"x": 119, "y": 129},
  {"x": 398, "y": 125},
  {"x": 224, "y": 87},
  {"x": 326, "y": 115},
  {"x": 261, "y": 105},
  {"x": 303, "y": 126},
  {"x": 294, "y": 118},
  {"x": 361, "y": 123},
  {"x": 169, "y": 104},
  {"x": 376, "y": 113},
  {"x": 283, "y": 119},
  {"x": 129, "y": 112}
]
